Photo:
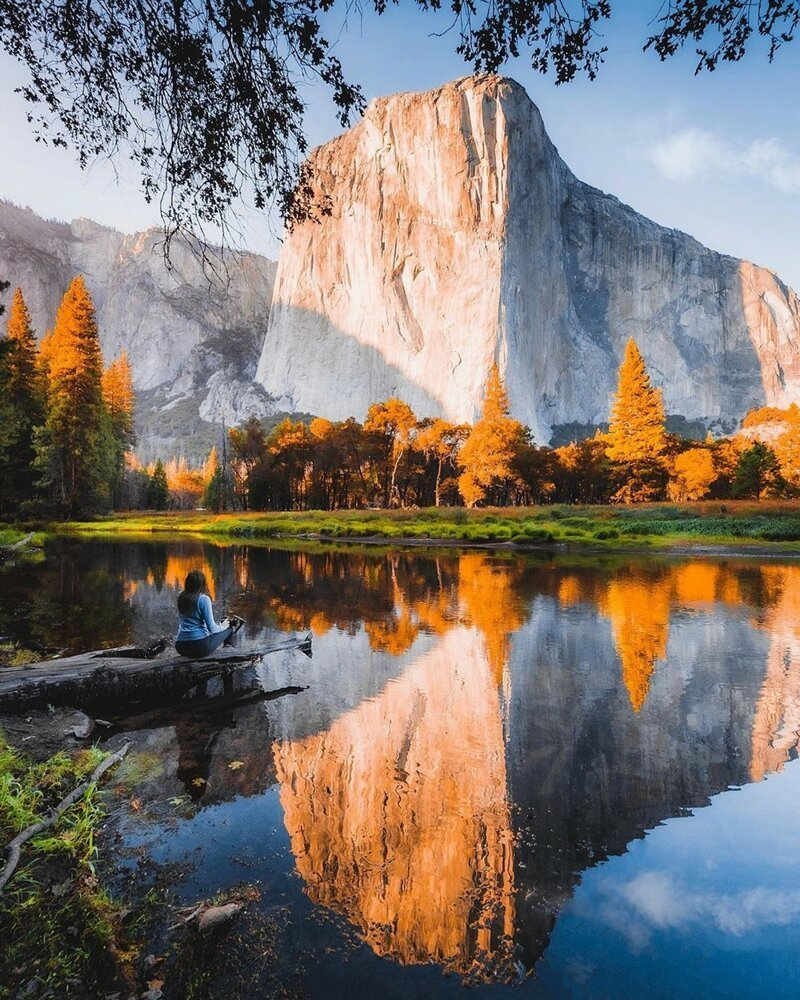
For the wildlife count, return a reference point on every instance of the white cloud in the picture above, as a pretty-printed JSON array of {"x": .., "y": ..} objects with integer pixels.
[
  {"x": 692, "y": 153},
  {"x": 656, "y": 901}
]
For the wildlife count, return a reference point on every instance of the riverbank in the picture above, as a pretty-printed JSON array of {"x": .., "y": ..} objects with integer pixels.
[{"x": 742, "y": 525}]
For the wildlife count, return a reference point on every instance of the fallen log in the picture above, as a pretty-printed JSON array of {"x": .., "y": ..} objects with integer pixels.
[
  {"x": 20, "y": 544},
  {"x": 14, "y": 849},
  {"x": 96, "y": 678}
]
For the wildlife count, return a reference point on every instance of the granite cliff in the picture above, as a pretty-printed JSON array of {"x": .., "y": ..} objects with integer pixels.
[
  {"x": 457, "y": 236},
  {"x": 193, "y": 340}
]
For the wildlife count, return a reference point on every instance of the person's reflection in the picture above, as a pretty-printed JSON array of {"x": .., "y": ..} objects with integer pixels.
[{"x": 196, "y": 734}]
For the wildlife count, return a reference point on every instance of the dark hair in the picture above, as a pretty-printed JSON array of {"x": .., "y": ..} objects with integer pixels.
[{"x": 193, "y": 586}]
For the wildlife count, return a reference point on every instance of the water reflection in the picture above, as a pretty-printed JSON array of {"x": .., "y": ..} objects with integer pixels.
[
  {"x": 398, "y": 814},
  {"x": 478, "y": 731}
]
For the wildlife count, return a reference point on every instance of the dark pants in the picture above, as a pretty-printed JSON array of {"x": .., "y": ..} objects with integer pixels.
[{"x": 196, "y": 649}]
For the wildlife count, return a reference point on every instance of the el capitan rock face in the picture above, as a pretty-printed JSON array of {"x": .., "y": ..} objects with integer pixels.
[
  {"x": 193, "y": 341},
  {"x": 457, "y": 236}
]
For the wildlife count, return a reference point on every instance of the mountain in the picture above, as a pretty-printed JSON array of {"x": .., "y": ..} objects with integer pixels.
[
  {"x": 193, "y": 339},
  {"x": 457, "y": 236}
]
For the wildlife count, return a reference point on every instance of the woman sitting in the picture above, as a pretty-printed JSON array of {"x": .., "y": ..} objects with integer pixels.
[{"x": 198, "y": 633}]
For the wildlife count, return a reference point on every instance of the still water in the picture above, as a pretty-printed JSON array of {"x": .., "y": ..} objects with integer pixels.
[{"x": 561, "y": 778}]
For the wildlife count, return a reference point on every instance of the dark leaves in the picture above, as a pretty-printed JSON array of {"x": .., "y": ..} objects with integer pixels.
[
  {"x": 724, "y": 30},
  {"x": 204, "y": 95}
]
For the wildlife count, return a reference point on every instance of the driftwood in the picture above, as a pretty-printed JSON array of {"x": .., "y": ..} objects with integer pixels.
[
  {"x": 99, "y": 678},
  {"x": 20, "y": 544},
  {"x": 14, "y": 849}
]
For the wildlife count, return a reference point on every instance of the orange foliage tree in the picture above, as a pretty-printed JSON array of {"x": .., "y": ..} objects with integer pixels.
[
  {"x": 582, "y": 472},
  {"x": 438, "y": 439},
  {"x": 395, "y": 420},
  {"x": 185, "y": 485},
  {"x": 72, "y": 449},
  {"x": 787, "y": 451},
  {"x": 693, "y": 473},
  {"x": 637, "y": 439},
  {"x": 487, "y": 455}
]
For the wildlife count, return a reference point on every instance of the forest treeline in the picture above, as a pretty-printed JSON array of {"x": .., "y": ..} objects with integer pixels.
[
  {"x": 395, "y": 459},
  {"x": 67, "y": 440}
]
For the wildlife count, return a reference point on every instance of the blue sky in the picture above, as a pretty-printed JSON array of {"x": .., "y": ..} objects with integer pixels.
[{"x": 716, "y": 155}]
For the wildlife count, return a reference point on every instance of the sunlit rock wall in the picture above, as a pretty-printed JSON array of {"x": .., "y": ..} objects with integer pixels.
[{"x": 458, "y": 236}]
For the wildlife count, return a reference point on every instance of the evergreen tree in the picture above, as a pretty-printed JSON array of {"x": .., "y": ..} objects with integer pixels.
[
  {"x": 216, "y": 491},
  {"x": 757, "y": 474},
  {"x": 119, "y": 399},
  {"x": 637, "y": 437},
  {"x": 157, "y": 488},
  {"x": 21, "y": 406},
  {"x": 73, "y": 447},
  {"x": 487, "y": 455}
]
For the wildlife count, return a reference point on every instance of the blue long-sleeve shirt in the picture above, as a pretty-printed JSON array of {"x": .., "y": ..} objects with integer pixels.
[{"x": 199, "y": 623}]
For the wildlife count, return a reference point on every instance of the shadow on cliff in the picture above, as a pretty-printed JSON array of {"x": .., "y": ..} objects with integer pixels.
[{"x": 340, "y": 376}]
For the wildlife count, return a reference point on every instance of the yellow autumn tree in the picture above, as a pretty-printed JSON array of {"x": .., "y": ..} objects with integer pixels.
[
  {"x": 787, "y": 446},
  {"x": 692, "y": 474},
  {"x": 637, "y": 440},
  {"x": 210, "y": 466},
  {"x": 72, "y": 450},
  {"x": 119, "y": 397},
  {"x": 438, "y": 439},
  {"x": 396, "y": 421},
  {"x": 487, "y": 455}
]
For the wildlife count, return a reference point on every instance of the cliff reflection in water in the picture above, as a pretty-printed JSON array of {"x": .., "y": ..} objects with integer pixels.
[
  {"x": 559, "y": 714},
  {"x": 398, "y": 814}
]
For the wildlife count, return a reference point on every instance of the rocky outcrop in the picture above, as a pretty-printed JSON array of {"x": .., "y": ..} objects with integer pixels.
[
  {"x": 193, "y": 338},
  {"x": 457, "y": 236}
]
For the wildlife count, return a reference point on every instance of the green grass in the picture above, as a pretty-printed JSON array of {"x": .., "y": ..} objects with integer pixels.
[
  {"x": 659, "y": 525},
  {"x": 59, "y": 924},
  {"x": 28, "y": 553}
]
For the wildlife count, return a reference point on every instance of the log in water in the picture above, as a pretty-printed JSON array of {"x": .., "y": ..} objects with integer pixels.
[{"x": 102, "y": 676}]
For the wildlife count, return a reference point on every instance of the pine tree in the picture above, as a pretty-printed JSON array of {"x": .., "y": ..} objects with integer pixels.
[
  {"x": 157, "y": 488},
  {"x": 215, "y": 491},
  {"x": 757, "y": 475},
  {"x": 637, "y": 438},
  {"x": 73, "y": 449},
  {"x": 487, "y": 455},
  {"x": 210, "y": 465},
  {"x": 21, "y": 406},
  {"x": 119, "y": 398}
]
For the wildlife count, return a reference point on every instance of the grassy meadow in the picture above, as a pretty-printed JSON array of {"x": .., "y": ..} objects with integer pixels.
[{"x": 728, "y": 523}]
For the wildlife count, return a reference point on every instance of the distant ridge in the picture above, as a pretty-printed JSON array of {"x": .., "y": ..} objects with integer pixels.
[{"x": 193, "y": 342}]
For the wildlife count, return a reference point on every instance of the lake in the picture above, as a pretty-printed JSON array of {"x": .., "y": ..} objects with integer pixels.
[{"x": 565, "y": 777}]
